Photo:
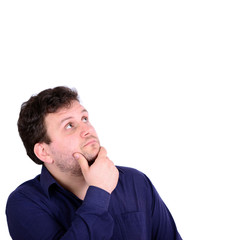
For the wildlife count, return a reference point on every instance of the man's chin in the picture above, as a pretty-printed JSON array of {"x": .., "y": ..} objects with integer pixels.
[
  {"x": 91, "y": 157},
  {"x": 91, "y": 153}
]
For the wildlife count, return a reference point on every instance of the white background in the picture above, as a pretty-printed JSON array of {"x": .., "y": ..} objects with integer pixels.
[{"x": 163, "y": 82}]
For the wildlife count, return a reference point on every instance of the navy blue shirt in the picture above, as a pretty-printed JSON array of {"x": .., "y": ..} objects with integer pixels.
[{"x": 42, "y": 209}]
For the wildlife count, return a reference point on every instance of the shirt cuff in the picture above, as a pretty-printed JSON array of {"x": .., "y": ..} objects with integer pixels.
[{"x": 98, "y": 197}]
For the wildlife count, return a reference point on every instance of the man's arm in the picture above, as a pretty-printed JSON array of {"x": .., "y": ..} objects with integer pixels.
[{"x": 31, "y": 221}]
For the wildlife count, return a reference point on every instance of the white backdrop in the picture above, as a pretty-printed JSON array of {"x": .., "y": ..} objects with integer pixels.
[{"x": 163, "y": 82}]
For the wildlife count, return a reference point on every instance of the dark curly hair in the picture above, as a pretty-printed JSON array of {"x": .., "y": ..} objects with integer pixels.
[{"x": 31, "y": 122}]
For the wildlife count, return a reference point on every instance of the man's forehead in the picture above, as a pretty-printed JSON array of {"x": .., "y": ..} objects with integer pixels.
[{"x": 71, "y": 109}]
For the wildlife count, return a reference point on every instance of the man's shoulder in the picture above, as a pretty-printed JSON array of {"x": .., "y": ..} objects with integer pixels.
[
  {"x": 133, "y": 175},
  {"x": 130, "y": 171},
  {"x": 26, "y": 189}
]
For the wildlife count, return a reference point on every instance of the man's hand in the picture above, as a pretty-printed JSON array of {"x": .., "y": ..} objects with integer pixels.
[{"x": 102, "y": 173}]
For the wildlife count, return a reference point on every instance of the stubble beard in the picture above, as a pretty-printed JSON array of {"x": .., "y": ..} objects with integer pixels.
[{"x": 67, "y": 163}]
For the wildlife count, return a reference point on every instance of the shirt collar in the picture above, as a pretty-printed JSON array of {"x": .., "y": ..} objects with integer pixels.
[{"x": 46, "y": 180}]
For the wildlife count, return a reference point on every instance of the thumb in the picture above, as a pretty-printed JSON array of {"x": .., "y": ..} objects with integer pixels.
[{"x": 81, "y": 160}]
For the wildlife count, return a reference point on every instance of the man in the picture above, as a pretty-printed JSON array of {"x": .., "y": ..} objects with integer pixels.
[{"x": 80, "y": 193}]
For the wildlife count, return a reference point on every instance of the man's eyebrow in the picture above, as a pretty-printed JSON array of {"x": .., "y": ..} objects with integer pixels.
[{"x": 67, "y": 118}]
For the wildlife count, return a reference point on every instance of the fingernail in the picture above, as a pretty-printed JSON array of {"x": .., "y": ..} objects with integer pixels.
[{"x": 76, "y": 156}]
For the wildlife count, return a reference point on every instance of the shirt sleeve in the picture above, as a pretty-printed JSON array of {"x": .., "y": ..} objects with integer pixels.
[
  {"x": 163, "y": 225},
  {"x": 27, "y": 220}
]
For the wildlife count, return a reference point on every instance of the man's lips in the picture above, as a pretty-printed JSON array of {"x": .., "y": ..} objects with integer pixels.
[{"x": 89, "y": 142}]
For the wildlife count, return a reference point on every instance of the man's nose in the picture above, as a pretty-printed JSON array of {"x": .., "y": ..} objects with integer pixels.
[{"x": 85, "y": 131}]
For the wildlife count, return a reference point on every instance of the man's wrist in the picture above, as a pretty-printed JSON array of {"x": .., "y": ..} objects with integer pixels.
[{"x": 97, "y": 197}]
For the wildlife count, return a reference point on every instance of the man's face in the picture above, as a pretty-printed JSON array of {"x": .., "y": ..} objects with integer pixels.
[{"x": 70, "y": 131}]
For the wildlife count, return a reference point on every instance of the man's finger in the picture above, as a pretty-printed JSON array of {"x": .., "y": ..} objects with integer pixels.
[
  {"x": 81, "y": 160},
  {"x": 102, "y": 152}
]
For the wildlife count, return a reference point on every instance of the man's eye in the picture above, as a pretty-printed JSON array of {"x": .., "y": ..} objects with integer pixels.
[
  {"x": 69, "y": 126},
  {"x": 84, "y": 119}
]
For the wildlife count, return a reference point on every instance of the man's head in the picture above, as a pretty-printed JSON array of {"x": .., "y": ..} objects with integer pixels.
[{"x": 53, "y": 125}]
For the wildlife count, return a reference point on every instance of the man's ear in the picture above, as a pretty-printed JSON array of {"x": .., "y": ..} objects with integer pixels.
[{"x": 41, "y": 152}]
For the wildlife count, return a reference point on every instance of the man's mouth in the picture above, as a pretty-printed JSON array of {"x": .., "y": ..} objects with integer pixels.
[{"x": 90, "y": 142}]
